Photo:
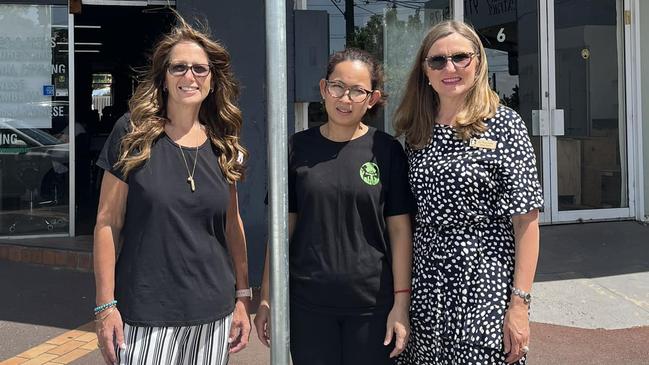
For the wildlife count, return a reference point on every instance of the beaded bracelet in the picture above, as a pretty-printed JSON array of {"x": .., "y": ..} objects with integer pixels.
[{"x": 103, "y": 307}]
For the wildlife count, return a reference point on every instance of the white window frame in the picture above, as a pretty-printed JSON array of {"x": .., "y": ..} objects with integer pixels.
[
  {"x": 634, "y": 108},
  {"x": 71, "y": 127},
  {"x": 301, "y": 108},
  {"x": 595, "y": 214}
]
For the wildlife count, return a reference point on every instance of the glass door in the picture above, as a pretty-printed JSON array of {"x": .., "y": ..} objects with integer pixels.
[
  {"x": 589, "y": 138},
  {"x": 516, "y": 53},
  {"x": 560, "y": 65}
]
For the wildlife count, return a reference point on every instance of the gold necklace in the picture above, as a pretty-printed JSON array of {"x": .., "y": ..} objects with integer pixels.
[{"x": 190, "y": 176}]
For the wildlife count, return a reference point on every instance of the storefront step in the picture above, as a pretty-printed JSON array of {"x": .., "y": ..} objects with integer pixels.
[{"x": 74, "y": 253}]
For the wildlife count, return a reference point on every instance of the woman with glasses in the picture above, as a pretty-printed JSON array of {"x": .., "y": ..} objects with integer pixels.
[
  {"x": 178, "y": 291},
  {"x": 349, "y": 226},
  {"x": 472, "y": 170}
]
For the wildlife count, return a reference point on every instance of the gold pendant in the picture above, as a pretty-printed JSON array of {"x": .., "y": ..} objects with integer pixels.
[{"x": 192, "y": 185}]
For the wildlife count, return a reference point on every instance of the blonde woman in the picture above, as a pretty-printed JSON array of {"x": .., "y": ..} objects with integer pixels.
[
  {"x": 169, "y": 199},
  {"x": 472, "y": 171}
]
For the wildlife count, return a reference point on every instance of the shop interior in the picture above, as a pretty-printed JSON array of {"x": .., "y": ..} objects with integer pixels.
[{"x": 112, "y": 44}]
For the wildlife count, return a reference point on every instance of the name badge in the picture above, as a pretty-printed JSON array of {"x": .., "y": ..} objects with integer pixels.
[{"x": 483, "y": 143}]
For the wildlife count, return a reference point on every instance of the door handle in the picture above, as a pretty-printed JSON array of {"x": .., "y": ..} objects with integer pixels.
[
  {"x": 557, "y": 125},
  {"x": 546, "y": 123},
  {"x": 540, "y": 123}
]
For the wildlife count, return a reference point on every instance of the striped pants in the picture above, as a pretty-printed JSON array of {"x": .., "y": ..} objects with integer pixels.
[{"x": 205, "y": 344}]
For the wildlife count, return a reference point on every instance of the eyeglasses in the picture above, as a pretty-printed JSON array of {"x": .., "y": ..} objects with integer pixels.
[
  {"x": 460, "y": 60},
  {"x": 356, "y": 94},
  {"x": 180, "y": 69}
]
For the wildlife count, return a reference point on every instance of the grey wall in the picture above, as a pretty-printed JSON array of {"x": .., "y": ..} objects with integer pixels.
[{"x": 241, "y": 29}]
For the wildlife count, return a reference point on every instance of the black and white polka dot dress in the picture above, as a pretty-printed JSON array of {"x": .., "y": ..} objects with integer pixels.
[{"x": 466, "y": 193}]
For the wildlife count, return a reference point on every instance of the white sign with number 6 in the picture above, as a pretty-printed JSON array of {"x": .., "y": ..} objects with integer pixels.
[{"x": 501, "y": 35}]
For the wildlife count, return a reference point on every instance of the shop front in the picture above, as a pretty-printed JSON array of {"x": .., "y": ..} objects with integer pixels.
[
  {"x": 35, "y": 169},
  {"x": 64, "y": 80},
  {"x": 570, "y": 68},
  {"x": 564, "y": 66}
]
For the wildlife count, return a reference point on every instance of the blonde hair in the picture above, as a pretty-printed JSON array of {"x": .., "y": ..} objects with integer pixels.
[
  {"x": 219, "y": 112},
  {"x": 415, "y": 116}
]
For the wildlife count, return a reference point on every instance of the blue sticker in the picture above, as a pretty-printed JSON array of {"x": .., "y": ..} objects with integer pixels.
[{"x": 48, "y": 90}]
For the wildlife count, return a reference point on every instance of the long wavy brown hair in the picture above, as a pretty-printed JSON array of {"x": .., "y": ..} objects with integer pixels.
[
  {"x": 218, "y": 112},
  {"x": 415, "y": 116}
]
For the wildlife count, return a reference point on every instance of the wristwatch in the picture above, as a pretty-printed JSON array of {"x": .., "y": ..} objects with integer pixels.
[
  {"x": 527, "y": 297},
  {"x": 243, "y": 293}
]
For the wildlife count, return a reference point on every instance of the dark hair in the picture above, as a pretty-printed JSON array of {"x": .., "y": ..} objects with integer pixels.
[{"x": 374, "y": 66}]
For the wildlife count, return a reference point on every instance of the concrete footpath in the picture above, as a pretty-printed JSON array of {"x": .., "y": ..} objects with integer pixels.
[
  {"x": 591, "y": 304},
  {"x": 591, "y": 295}
]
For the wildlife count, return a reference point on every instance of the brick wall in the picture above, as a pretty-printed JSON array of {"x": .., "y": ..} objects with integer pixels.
[{"x": 80, "y": 261}]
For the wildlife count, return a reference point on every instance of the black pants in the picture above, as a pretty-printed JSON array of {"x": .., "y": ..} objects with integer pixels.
[{"x": 329, "y": 339}]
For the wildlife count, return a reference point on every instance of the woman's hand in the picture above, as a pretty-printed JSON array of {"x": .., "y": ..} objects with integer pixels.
[
  {"x": 262, "y": 322},
  {"x": 516, "y": 329},
  {"x": 240, "y": 328},
  {"x": 110, "y": 220},
  {"x": 398, "y": 325},
  {"x": 110, "y": 331}
]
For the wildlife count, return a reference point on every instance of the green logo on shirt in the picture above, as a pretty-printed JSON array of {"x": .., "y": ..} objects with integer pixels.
[{"x": 370, "y": 173}]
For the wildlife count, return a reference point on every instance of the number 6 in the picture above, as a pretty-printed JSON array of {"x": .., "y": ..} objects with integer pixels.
[{"x": 501, "y": 35}]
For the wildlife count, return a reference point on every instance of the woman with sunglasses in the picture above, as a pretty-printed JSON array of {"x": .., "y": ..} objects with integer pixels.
[
  {"x": 350, "y": 237},
  {"x": 178, "y": 293},
  {"x": 472, "y": 170}
]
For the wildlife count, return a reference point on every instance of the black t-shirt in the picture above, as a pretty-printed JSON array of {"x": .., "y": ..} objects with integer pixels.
[
  {"x": 340, "y": 255},
  {"x": 174, "y": 268}
]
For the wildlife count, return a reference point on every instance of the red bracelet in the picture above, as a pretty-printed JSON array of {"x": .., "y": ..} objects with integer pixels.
[{"x": 402, "y": 291}]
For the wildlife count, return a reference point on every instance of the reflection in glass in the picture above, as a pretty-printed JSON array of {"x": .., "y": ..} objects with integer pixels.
[
  {"x": 34, "y": 149},
  {"x": 589, "y": 63},
  {"x": 391, "y": 31},
  {"x": 404, "y": 30},
  {"x": 102, "y": 92}
]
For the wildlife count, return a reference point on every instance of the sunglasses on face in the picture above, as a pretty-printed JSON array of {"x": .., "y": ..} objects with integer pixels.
[
  {"x": 180, "y": 69},
  {"x": 460, "y": 60},
  {"x": 356, "y": 94}
]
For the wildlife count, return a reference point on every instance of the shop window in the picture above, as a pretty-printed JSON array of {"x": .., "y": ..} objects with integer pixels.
[
  {"x": 34, "y": 110},
  {"x": 390, "y": 30}
]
